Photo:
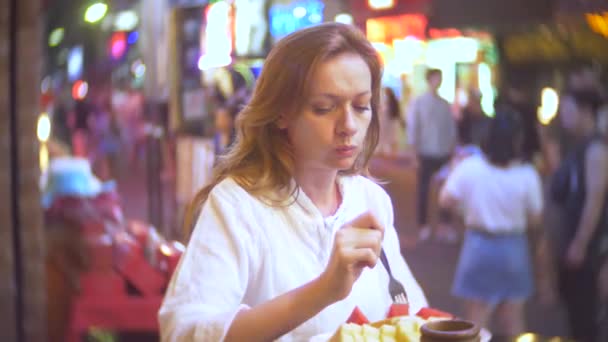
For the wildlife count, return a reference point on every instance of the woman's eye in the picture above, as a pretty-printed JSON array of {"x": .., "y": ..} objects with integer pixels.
[
  {"x": 322, "y": 109},
  {"x": 362, "y": 108}
]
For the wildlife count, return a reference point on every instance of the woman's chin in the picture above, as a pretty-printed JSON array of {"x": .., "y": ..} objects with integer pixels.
[{"x": 343, "y": 165}]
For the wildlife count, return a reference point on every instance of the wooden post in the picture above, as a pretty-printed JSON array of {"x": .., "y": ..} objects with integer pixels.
[
  {"x": 8, "y": 322},
  {"x": 22, "y": 281}
]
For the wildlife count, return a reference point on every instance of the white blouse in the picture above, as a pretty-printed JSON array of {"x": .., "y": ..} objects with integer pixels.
[
  {"x": 496, "y": 199},
  {"x": 244, "y": 252}
]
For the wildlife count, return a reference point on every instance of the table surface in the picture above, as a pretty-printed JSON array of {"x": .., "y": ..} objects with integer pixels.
[{"x": 530, "y": 337}]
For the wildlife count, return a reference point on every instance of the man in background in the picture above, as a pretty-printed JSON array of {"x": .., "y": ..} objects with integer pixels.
[{"x": 432, "y": 134}]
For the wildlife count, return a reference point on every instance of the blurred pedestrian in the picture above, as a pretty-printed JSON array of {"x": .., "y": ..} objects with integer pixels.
[
  {"x": 224, "y": 129},
  {"x": 515, "y": 96},
  {"x": 391, "y": 123},
  {"x": 432, "y": 133},
  {"x": 580, "y": 187},
  {"x": 500, "y": 199},
  {"x": 78, "y": 122},
  {"x": 473, "y": 123}
]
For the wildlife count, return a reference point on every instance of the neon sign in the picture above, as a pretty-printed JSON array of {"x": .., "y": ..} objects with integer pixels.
[
  {"x": 598, "y": 23},
  {"x": 217, "y": 40},
  {"x": 285, "y": 19}
]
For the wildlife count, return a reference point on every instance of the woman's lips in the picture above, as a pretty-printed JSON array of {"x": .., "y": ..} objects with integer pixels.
[{"x": 346, "y": 151}]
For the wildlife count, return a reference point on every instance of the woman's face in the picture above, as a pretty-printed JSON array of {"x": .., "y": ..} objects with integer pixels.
[
  {"x": 569, "y": 114},
  {"x": 330, "y": 130}
]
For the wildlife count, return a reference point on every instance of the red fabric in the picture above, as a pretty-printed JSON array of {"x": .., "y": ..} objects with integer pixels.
[
  {"x": 106, "y": 283},
  {"x": 114, "y": 313},
  {"x": 131, "y": 263},
  {"x": 101, "y": 255},
  {"x": 140, "y": 231}
]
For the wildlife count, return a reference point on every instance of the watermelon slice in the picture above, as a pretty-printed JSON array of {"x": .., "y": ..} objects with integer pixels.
[
  {"x": 357, "y": 317},
  {"x": 427, "y": 313},
  {"x": 398, "y": 310}
]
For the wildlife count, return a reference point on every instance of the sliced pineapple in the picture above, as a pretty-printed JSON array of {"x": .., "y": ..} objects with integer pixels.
[
  {"x": 347, "y": 333},
  {"x": 370, "y": 333},
  {"x": 396, "y": 329},
  {"x": 388, "y": 333},
  {"x": 408, "y": 329}
]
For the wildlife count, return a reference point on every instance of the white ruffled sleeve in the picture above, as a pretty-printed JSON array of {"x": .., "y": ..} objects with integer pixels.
[{"x": 207, "y": 289}]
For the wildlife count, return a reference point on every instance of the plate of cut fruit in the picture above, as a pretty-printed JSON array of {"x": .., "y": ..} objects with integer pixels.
[{"x": 398, "y": 326}]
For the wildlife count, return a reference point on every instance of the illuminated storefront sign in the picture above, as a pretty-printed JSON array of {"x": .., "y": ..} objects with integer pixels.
[
  {"x": 75, "y": 62},
  {"x": 216, "y": 43},
  {"x": 408, "y": 48},
  {"x": 118, "y": 45},
  {"x": 598, "y": 23},
  {"x": 380, "y": 4},
  {"x": 387, "y": 29},
  {"x": 250, "y": 27},
  {"x": 285, "y": 19}
]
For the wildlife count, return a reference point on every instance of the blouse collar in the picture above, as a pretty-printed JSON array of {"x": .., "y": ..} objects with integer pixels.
[{"x": 307, "y": 204}]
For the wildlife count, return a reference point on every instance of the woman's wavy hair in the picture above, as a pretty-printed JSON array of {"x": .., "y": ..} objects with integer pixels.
[{"x": 261, "y": 159}]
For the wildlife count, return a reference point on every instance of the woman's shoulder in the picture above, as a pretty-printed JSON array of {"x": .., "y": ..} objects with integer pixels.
[
  {"x": 527, "y": 169},
  {"x": 229, "y": 190},
  {"x": 473, "y": 161}
]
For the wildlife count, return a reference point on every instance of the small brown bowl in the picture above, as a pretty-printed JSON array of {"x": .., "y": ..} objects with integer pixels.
[{"x": 454, "y": 330}]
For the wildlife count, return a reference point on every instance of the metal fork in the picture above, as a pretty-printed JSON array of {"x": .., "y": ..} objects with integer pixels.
[{"x": 395, "y": 288}]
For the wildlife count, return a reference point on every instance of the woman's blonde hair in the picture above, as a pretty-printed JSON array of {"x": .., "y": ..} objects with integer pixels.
[{"x": 261, "y": 159}]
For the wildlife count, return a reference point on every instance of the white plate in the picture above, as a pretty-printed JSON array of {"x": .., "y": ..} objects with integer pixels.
[{"x": 484, "y": 334}]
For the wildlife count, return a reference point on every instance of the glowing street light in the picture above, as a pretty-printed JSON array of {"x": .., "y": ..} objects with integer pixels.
[
  {"x": 380, "y": 4},
  {"x": 549, "y": 106},
  {"x": 95, "y": 12},
  {"x": 344, "y": 18},
  {"x": 43, "y": 128},
  {"x": 56, "y": 36}
]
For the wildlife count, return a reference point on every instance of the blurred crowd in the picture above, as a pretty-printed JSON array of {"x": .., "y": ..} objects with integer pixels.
[{"x": 530, "y": 198}]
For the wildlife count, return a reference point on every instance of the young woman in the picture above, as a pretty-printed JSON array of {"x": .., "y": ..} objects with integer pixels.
[
  {"x": 287, "y": 236},
  {"x": 500, "y": 197}
]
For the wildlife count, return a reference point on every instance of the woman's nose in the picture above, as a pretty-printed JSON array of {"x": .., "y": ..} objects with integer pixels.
[{"x": 347, "y": 124}]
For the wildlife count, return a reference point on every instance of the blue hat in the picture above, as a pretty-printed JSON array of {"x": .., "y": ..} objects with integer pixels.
[{"x": 69, "y": 176}]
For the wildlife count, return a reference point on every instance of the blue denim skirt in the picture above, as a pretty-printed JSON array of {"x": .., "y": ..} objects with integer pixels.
[{"x": 494, "y": 268}]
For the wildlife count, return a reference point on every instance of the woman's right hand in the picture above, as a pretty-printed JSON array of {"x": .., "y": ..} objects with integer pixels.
[{"x": 356, "y": 245}]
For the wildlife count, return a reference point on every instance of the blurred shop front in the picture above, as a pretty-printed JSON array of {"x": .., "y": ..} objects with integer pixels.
[
  {"x": 575, "y": 35},
  {"x": 219, "y": 46},
  {"x": 485, "y": 46},
  {"x": 215, "y": 52},
  {"x": 409, "y": 43}
]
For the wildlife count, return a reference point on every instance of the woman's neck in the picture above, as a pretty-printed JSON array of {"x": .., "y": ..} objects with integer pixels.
[{"x": 322, "y": 189}]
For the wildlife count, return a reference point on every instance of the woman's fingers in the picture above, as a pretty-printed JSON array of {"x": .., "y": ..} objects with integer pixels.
[
  {"x": 366, "y": 220},
  {"x": 362, "y": 257},
  {"x": 359, "y": 247},
  {"x": 352, "y": 238}
]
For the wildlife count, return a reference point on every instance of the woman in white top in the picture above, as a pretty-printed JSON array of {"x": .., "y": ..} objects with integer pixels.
[
  {"x": 500, "y": 198},
  {"x": 287, "y": 236}
]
